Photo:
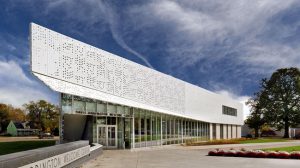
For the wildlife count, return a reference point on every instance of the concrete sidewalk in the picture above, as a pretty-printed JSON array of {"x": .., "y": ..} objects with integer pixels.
[{"x": 176, "y": 156}]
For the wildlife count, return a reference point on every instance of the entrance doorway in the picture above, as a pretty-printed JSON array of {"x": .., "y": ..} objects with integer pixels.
[{"x": 107, "y": 136}]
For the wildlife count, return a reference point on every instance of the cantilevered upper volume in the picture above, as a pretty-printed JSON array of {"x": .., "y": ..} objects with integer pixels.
[{"x": 69, "y": 66}]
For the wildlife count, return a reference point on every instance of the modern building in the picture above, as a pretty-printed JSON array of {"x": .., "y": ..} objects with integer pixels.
[{"x": 118, "y": 103}]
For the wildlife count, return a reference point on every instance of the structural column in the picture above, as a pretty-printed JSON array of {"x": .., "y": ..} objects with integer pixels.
[
  {"x": 210, "y": 131},
  {"x": 218, "y": 131},
  {"x": 239, "y": 131},
  {"x": 224, "y": 131}
]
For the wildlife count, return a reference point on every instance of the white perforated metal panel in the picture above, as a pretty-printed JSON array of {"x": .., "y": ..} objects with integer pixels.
[
  {"x": 72, "y": 67},
  {"x": 64, "y": 58}
]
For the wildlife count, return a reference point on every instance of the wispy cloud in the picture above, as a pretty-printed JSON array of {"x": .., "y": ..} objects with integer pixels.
[
  {"x": 17, "y": 88},
  {"x": 91, "y": 12},
  {"x": 226, "y": 43},
  {"x": 234, "y": 28}
]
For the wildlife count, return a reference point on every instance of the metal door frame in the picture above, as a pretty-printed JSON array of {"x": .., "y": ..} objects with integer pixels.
[{"x": 106, "y": 135}]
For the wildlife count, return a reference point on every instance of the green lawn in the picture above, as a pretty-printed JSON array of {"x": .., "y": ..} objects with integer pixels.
[
  {"x": 287, "y": 149},
  {"x": 262, "y": 140},
  {"x": 11, "y": 147}
]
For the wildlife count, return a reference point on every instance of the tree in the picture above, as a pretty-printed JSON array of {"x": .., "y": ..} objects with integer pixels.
[
  {"x": 42, "y": 115},
  {"x": 255, "y": 120},
  {"x": 280, "y": 97},
  {"x": 3, "y": 116},
  {"x": 16, "y": 114}
]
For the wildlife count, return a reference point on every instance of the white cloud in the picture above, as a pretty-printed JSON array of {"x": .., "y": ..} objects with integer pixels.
[
  {"x": 196, "y": 27},
  {"x": 12, "y": 72},
  {"x": 17, "y": 88}
]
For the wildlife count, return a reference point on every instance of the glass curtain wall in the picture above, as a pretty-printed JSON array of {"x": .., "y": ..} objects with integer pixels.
[{"x": 145, "y": 128}]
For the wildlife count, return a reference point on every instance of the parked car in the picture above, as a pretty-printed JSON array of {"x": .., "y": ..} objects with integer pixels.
[
  {"x": 45, "y": 135},
  {"x": 297, "y": 136}
]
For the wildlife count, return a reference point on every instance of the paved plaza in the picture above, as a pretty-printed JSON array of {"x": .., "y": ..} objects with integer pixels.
[{"x": 176, "y": 156}]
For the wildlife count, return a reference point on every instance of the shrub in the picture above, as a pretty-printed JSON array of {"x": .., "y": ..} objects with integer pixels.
[
  {"x": 251, "y": 154},
  {"x": 243, "y": 149},
  {"x": 272, "y": 154},
  {"x": 249, "y": 136},
  {"x": 215, "y": 142},
  {"x": 261, "y": 154},
  {"x": 212, "y": 153},
  {"x": 295, "y": 155},
  {"x": 220, "y": 152},
  {"x": 230, "y": 153},
  {"x": 240, "y": 153},
  {"x": 283, "y": 155}
]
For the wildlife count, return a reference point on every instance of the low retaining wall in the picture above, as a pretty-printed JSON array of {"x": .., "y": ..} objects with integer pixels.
[
  {"x": 95, "y": 151},
  {"x": 73, "y": 154}
]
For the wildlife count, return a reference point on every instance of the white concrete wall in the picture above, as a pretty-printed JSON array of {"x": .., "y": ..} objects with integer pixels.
[
  {"x": 218, "y": 131},
  {"x": 55, "y": 59},
  {"x": 234, "y": 131},
  {"x": 210, "y": 131},
  {"x": 239, "y": 131},
  {"x": 225, "y": 131},
  {"x": 229, "y": 132},
  {"x": 201, "y": 103}
]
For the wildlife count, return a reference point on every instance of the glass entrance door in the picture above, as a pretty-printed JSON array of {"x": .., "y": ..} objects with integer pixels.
[{"x": 107, "y": 136}]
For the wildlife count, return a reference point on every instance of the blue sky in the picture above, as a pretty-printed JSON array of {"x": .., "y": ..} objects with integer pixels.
[{"x": 222, "y": 46}]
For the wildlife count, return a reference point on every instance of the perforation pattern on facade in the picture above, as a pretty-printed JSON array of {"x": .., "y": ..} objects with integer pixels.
[{"x": 64, "y": 58}]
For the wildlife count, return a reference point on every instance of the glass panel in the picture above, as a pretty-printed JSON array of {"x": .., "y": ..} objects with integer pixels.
[
  {"x": 183, "y": 130},
  {"x": 158, "y": 135},
  {"x": 91, "y": 107},
  {"x": 102, "y": 136},
  {"x": 127, "y": 111},
  {"x": 111, "y": 136},
  {"x": 148, "y": 125},
  {"x": 221, "y": 131},
  {"x": 101, "y": 108},
  {"x": 137, "y": 128},
  {"x": 214, "y": 131},
  {"x": 143, "y": 129},
  {"x": 153, "y": 129},
  {"x": 101, "y": 120},
  {"x": 207, "y": 131},
  {"x": 111, "y": 121},
  {"x": 127, "y": 137},
  {"x": 79, "y": 106},
  {"x": 168, "y": 129},
  {"x": 111, "y": 108},
  {"x": 120, "y": 110},
  {"x": 121, "y": 128},
  {"x": 66, "y": 103},
  {"x": 164, "y": 129},
  {"x": 176, "y": 131}
]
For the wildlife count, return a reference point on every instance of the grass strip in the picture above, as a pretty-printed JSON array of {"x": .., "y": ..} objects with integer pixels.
[{"x": 17, "y": 146}]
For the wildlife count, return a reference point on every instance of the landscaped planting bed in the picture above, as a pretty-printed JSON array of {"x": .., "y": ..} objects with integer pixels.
[
  {"x": 255, "y": 154},
  {"x": 234, "y": 141}
]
